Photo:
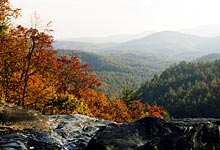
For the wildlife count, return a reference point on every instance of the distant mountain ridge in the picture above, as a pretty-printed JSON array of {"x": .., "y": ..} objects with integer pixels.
[
  {"x": 120, "y": 38},
  {"x": 209, "y": 57},
  {"x": 167, "y": 43}
]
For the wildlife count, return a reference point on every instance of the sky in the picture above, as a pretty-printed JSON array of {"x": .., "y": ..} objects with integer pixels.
[{"x": 98, "y": 18}]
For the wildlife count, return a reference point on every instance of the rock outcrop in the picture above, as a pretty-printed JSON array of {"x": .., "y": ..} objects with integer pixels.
[
  {"x": 156, "y": 134},
  {"x": 68, "y": 132},
  {"x": 78, "y": 132},
  {"x": 73, "y": 132}
]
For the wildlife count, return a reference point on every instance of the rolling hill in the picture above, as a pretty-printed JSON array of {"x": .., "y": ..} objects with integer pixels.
[
  {"x": 119, "y": 38},
  {"x": 166, "y": 43},
  {"x": 116, "y": 69},
  {"x": 186, "y": 90},
  {"x": 209, "y": 57}
]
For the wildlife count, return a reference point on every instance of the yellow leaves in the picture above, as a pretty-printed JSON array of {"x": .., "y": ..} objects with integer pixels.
[
  {"x": 6, "y": 14},
  {"x": 32, "y": 76},
  {"x": 67, "y": 104}
]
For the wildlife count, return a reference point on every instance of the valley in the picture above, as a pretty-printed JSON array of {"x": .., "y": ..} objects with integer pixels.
[
  {"x": 151, "y": 67},
  {"x": 117, "y": 68}
]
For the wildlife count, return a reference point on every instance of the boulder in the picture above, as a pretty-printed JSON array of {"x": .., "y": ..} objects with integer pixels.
[{"x": 156, "y": 134}]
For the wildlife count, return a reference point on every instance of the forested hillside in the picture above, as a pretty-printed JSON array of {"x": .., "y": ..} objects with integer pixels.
[
  {"x": 187, "y": 89},
  {"x": 116, "y": 69},
  {"x": 209, "y": 57}
]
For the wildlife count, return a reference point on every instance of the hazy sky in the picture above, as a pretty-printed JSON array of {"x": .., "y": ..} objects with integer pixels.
[{"x": 92, "y": 18}]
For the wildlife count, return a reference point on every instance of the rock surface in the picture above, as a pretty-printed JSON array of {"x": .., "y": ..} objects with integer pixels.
[
  {"x": 68, "y": 132},
  {"x": 155, "y": 134},
  {"x": 73, "y": 132},
  {"x": 78, "y": 132}
]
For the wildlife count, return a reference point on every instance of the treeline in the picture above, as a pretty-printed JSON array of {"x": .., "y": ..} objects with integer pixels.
[
  {"x": 187, "y": 89},
  {"x": 34, "y": 77}
]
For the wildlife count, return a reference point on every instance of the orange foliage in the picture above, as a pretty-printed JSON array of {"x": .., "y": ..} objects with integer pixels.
[
  {"x": 96, "y": 102},
  {"x": 156, "y": 111},
  {"x": 6, "y": 14},
  {"x": 32, "y": 76},
  {"x": 119, "y": 111},
  {"x": 138, "y": 111},
  {"x": 73, "y": 78}
]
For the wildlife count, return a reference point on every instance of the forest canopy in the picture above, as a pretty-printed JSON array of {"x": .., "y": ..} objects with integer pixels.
[{"x": 189, "y": 89}]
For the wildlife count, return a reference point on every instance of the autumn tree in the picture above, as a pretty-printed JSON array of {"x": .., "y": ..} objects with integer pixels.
[
  {"x": 66, "y": 104},
  {"x": 6, "y": 14},
  {"x": 38, "y": 62},
  {"x": 97, "y": 103},
  {"x": 138, "y": 110},
  {"x": 74, "y": 78},
  {"x": 26, "y": 56},
  {"x": 156, "y": 111},
  {"x": 6, "y": 71},
  {"x": 120, "y": 111},
  {"x": 32, "y": 76}
]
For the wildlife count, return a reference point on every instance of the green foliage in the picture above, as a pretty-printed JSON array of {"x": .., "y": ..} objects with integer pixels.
[
  {"x": 3, "y": 28},
  {"x": 128, "y": 95},
  {"x": 186, "y": 90},
  {"x": 116, "y": 69}
]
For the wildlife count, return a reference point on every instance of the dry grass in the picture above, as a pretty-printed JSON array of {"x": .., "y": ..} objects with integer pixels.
[{"x": 17, "y": 118}]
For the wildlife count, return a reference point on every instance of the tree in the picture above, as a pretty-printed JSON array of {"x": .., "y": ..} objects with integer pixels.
[
  {"x": 74, "y": 78},
  {"x": 25, "y": 53},
  {"x": 6, "y": 14},
  {"x": 156, "y": 111},
  {"x": 129, "y": 96},
  {"x": 138, "y": 111},
  {"x": 120, "y": 111},
  {"x": 6, "y": 70}
]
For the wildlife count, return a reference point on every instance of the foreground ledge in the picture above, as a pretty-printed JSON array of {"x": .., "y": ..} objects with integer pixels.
[
  {"x": 156, "y": 134},
  {"x": 78, "y": 132}
]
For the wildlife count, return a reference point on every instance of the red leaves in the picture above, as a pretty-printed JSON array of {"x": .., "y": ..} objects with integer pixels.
[
  {"x": 156, "y": 111},
  {"x": 138, "y": 110},
  {"x": 32, "y": 76},
  {"x": 31, "y": 72},
  {"x": 77, "y": 77}
]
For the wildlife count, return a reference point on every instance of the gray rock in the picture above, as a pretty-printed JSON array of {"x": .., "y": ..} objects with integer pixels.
[
  {"x": 74, "y": 132},
  {"x": 78, "y": 132},
  {"x": 25, "y": 140},
  {"x": 156, "y": 134},
  {"x": 68, "y": 132}
]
